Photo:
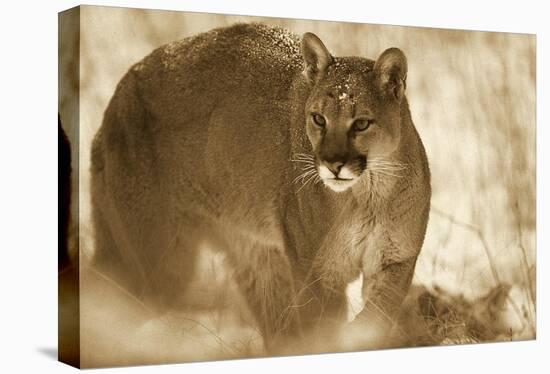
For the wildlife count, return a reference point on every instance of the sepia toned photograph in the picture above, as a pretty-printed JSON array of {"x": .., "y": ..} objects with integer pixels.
[{"x": 240, "y": 187}]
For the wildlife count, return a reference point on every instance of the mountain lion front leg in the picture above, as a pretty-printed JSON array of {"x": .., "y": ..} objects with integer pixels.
[
  {"x": 323, "y": 295},
  {"x": 388, "y": 268},
  {"x": 383, "y": 294},
  {"x": 323, "y": 305},
  {"x": 264, "y": 276}
]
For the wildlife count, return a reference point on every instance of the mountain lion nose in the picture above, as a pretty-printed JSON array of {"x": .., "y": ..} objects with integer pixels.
[{"x": 334, "y": 167}]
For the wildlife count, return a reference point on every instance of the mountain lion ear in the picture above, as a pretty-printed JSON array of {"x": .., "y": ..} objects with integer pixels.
[
  {"x": 391, "y": 71},
  {"x": 316, "y": 57}
]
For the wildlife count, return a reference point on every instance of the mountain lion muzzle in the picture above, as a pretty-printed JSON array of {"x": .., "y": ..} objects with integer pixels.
[{"x": 304, "y": 168}]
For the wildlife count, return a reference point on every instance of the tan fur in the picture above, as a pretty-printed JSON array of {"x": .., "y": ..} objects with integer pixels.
[{"x": 205, "y": 140}]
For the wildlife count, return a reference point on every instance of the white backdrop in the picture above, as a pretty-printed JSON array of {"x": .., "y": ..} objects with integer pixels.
[{"x": 28, "y": 286}]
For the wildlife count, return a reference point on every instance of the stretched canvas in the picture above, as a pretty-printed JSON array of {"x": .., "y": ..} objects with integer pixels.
[{"x": 236, "y": 186}]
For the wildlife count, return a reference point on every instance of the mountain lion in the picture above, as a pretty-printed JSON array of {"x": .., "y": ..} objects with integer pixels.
[{"x": 304, "y": 168}]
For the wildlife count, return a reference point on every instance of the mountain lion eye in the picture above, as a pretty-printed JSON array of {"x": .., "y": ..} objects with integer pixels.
[
  {"x": 319, "y": 120},
  {"x": 362, "y": 124}
]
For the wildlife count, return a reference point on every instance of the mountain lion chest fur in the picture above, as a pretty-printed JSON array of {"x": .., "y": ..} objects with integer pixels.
[{"x": 306, "y": 169}]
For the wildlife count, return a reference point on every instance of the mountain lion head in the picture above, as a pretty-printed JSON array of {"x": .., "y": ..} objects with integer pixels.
[{"x": 353, "y": 111}]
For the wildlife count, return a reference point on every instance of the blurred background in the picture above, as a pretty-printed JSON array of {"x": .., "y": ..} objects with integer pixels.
[{"x": 472, "y": 98}]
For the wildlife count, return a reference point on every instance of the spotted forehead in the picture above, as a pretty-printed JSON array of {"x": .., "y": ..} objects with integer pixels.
[{"x": 348, "y": 79}]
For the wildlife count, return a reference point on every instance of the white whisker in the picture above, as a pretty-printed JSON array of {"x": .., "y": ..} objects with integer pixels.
[
  {"x": 382, "y": 162},
  {"x": 306, "y": 182},
  {"x": 379, "y": 166},
  {"x": 384, "y": 169},
  {"x": 386, "y": 164},
  {"x": 303, "y": 176},
  {"x": 303, "y": 156},
  {"x": 382, "y": 172},
  {"x": 304, "y": 162}
]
